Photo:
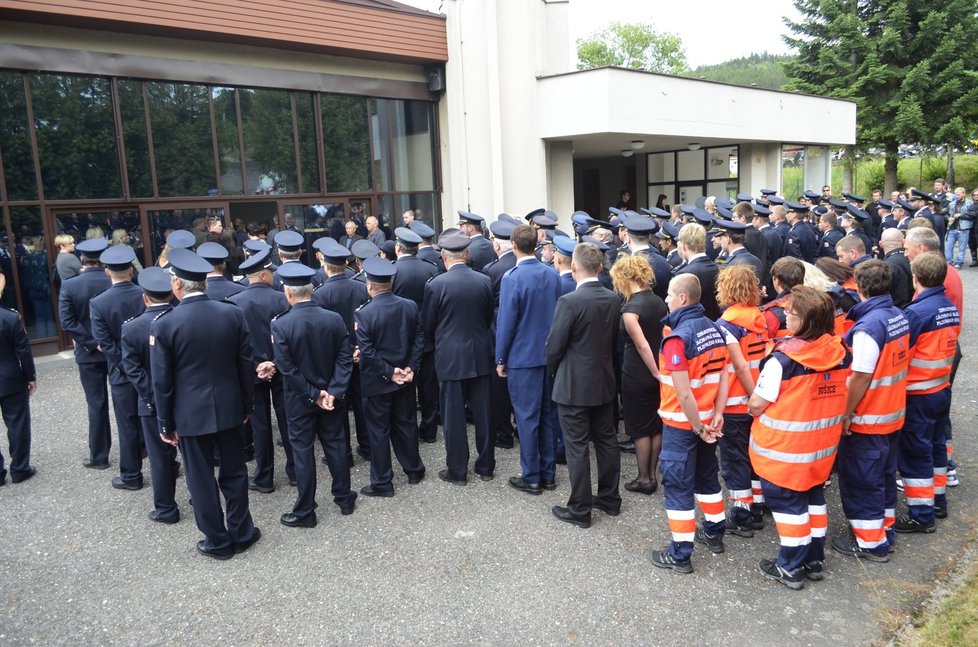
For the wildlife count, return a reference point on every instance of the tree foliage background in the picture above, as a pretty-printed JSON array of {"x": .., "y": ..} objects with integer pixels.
[
  {"x": 763, "y": 70},
  {"x": 636, "y": 46}
]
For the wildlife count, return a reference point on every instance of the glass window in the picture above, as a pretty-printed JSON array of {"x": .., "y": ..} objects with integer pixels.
[
  {"x": 226, "y": 124},
  {"x": 15, "y": 139},
  {"x": 411, "y": 142},
  {"x": 135, "y": 138},
  {"x": 8, "y": 298},
  {"x": 690, "y": 165},
  {"x": 380, "y": 142},
  {"x": 34, "y": 268},
  {"x": 314, "y": 221},
  {"x": 818, "y": 167},
  {"x": 426, "y": 208},
  {"x": 305, "y": 119},
  {"x": 75, "y": 136},
  {"x": 266, "y": 123},
  {"x": 668, "y": 190},
  {"x": 181, "y": 123},
  {"x": 792, "y": 171},
  {"x": 727, "y": 189},
  {"x": 346, "y": 139},
  {"x": 662, "y": 167},
  {"x": 721, "y": 163},
  {"x": 692, "y": 194},
  {"x": 162, "y": 222}
]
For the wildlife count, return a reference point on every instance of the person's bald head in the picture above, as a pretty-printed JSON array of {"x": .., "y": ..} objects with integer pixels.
[
  {"x": 684, "y": 290},
  {"x": 890, "y": 239}
]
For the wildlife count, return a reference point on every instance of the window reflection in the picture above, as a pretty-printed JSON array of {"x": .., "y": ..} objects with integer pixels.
[
  {"x": 34, "y": 268},
  {"x": 15, "y": 141},
  {"x": 226, "y": 128},
  {"x": 346, "y": 138},
  {"x": 135, "y": 138},
  {"x": 308, "y": 154},
  {"x": 266, "y": 123},
  {"x": 181, "y": 123},
  {"x": 315, "y": 221},
  {"x": 424, "y": 206},
  {"x": 380, "y": 125},
  {"x": 411, "y": 143},
  {"x": 163, "y": 222}
]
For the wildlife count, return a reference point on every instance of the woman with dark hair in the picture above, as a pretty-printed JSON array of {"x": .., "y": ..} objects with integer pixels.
[
  {"x": 843, "y": 293},
  {"x": 799, "y": 405},
  {"x": 662, "y": 202},
  {"x": 641, "y": 322}
]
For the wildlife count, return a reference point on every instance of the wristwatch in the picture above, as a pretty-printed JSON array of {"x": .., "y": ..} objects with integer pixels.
[{"x": 699, "y": 432}]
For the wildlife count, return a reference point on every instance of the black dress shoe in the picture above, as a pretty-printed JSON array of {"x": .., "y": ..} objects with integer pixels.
[
  {"x": 445, "y": 476},
  {"x": 94, "y": 466},
  {"x": 517, "y": 483},
  {"x": 414, "y": 479},
  {"x": 561, "y": 459},
  {"x": 348, "y": 510},
  {"x": 363, "y": 453},
  {"x": 627, "y": 446},
  {"x": 264, "y": 489},
  {"x": 221, "y": 555},
  {"x": 486, "y": 477},
  {"x": 119, "y": 484},
  {"x": 245, "y": 545},
  {"x": 567, "y": 516},
  {"x": 249, "y": 455},
  {"x": 642, "y": 488},
  {"x": 368, "y": 490},
  {"x": 293, "y": 483},
  {"x": 155, "y": 516},
  {"x": 548, "y": 485},
  {"x": 429, "y": 441},
  {"x": 292, "y": 521},
  {"x": 504, "y": 443},
  {"x": 607, "y": 509},
  {"x": 20, "y": 477}
]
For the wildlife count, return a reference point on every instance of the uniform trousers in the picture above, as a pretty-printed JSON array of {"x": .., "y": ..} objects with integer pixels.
[
  {"x": 162, "y": 468},
  {"x": 536, "y": 422},
  {"x": 125, "y": 406},
  {"x": 354, "y": 402},
  {"x": 866, "y": 464},
  {"x": 501, "y": 409},
  {"x": 735, "y": 465},
  {"x": 392, "y": 421},
  {"x": 267, "y": 395},
  {"x": 94, "y": 380},
  {"x": 232, "y": 481},
  {"x": 690, "y": 475},
  {"x": 304, "y": 429},
  {"x": 583, "y": 426},
  {"x": 428, "y": 394},
  {"x": 16, "y": 409},
  {"x": 801, "y": 520},
  {"x": 923, "y": 453},
  {"x": 454, "y": 395}
]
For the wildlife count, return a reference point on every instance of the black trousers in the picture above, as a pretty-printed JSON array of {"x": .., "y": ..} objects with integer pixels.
[
  {"x": 454, "y": 395},
  {"x": 391, "y": 421},
  {"x": 94, "y": 381},
  {"x": 354, "y": 402},
  {"x": 427, "y": 385},
  {"x": 125, "y": 406},
  {"x": 16, "y": 409},
  {"x": 582, "y": 426},
  {"x": 304, "y": 429},
  {"x": 232, "y": 481},
  {"x": 501, "y": 408},
  {"x": 267, "y": 395},
  {"x": 162, "y": 468}
]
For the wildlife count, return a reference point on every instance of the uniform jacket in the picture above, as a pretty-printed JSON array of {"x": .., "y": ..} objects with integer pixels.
[
  {"x": 457, "y": 316},
  {"x": 496, "y": 270},
  {"x": 219, "y": 288},
  {"x": 16, "y": 360},
  {"x": 135, "y": 356},
  {"x": 800, "y": 243},
  {"x": 342, "y": 295},
  {"x": 527, "y": 297},
  {"x": 76, "y": 318},
  {"x": 481, "y": 252},
  {"x": 741, "y": 256},
  {"x": 260, "y": 304},
  {"x": 389, "y": 336},
  {"x": 707, "y": 271},
  {"x": 111, "y": 309},
  {"x": 429, "y": 254}
]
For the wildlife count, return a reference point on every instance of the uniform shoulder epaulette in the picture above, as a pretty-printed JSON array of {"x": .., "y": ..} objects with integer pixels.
[
  {"x": 163, "y": 313},
  {"x": 431, "y": 263},
  {"x": 361, "y": 306},
  {"x": 133, "y": 318}
]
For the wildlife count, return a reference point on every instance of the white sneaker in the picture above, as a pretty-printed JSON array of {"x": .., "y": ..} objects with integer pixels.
[{"x": 952, "y": 478}]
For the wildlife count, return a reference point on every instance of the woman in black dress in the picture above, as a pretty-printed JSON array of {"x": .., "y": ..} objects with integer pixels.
[{"x": 641, "y": 326}]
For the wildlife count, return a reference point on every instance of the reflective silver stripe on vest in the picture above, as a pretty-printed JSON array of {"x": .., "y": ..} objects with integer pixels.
[
  {"x": 929, "y": 384},
  {"x": 932, "y": 363},
  {"x": 681, "y": 417},
  {"x": 712, "y": 378},
  {"x": 784, "y": 457},
  {"x": 879, "y": 420},
  {"x": 734, "y": 401},
  {"x": 888, "y": 381},
  {"x": 804, "y": 425}
]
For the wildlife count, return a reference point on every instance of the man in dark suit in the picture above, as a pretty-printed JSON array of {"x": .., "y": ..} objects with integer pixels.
[
  {"x": 218, "y": 287},
  {"x": 731, "y": 235},
  {"x": 111, "y": 309},
  {"x": 692, "y": 241},
  {"x": 260, "y": 303},
  {"x": 76, "y": 320},
  {"x": 901, "y": 281},
  {"x": 456, "y": 318},
  {"x": 203, "y": 383},
  {"x": 163, "y": 465},
  {"x": 409, "y": 282},
  {"x": 527, "y": 297},
  {"x": 579, "y": 354},
  {"x": 18, "y": 381},
  {"x": 480, "y": 250},
  {"x": 427, "y": 251},
  {"x": 501, "y": 409},
  {"x": 313, "y": 354},
  {"x": 351, "y": 235},
  {"x": 754, "y": 242},
  {"x": 343, "y": 295},
  {"x": 391, "y": 342}
]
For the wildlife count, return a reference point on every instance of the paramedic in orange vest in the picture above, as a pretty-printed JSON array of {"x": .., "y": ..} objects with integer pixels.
[
  {"x": 693, "y": 387},
  {"x": 799, "y": 405},
  {"x": 739, "y": 293},
  {"x": 880, "y": 343},
  {"x": 934, "y": 328}
]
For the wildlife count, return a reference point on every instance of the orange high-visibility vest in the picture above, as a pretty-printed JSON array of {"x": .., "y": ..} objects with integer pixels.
[
  {"x": 747, "y": 324},
  {"x": 935, "y": 325}
]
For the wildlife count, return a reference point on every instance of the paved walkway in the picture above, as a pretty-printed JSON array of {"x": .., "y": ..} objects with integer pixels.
[{"x": 437, "y": 564}]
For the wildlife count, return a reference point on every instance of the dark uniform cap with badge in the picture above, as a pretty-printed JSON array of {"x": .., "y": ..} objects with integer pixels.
[
  {"x": 181, "y": 239},
  {"x": 501, "y": 229},
  {"x": 92, "y": 248},
  {"x": 796, "y": 207},
  {"x": 259, "y": 261},
  {"x": 655, "y": 211},
  {"x": 214, "y": 253},
  {"x": 544, "y": 221},
  {"x": 886, "y": 204},
  {"x": 640, "y": 225},
  {"x": 288, "y": 240},
  {"x": 702, "y": 216},
  {"x": 820, "y": 210},
  {"x": 726, "y": 213},
  {"x": 505, "y": 217},
  {"x": 118, "y": 258},
  {"x": 189, "y": 266},
  {"x": 903, "y": 204},
  {"x": 667, "y": 231},
  {"x": 565, "y": 245},
  {"x": 744, "y": 197},
  {"x": 723, "y": 203},
  {"x": 600, "y": 244},
  {"x": 687, "y": 209},
  {"x": 332, "y": 251},
  {"x": 536, "y": 212},
  {"x": 852, "y": 197},
  {"x": 838, "y": 204},
  {"x": 456, "y": 241},
  {"x": 364, "y": 249},
  {"x": 856, "y": 212},
  {"x": 423, "y": 230},
  {"x": 389, "y": 249},
  {"x": 811, "y": 195},
  {"x": 470, "y": 218},
  {"x": 405, "y": 235},
  {"x": 728, "y": 227},
  {"x": 617, "y": 213},
  {"x": 296, "y": 274},
  {"x": 762, "y": 211},
  {"x": 775, "y": 200},
  {"x": 254, "y": 245},
  {"x": 155, "y": 281},
  {"x": 768, "y": 192},
  {"x": 378, "y": 270}
]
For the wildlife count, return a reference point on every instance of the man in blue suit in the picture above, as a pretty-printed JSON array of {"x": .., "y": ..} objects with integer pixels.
[
  {"x": 314, "y": 356},
  {"x": 163, "y": 465},
  {"x": 527, "y": 297},
  {"x": 203, "y": 383},
  {"x": 391, "y": 341},
  {"x": 76, "y": 320},
  {"x": 111, "y": 309},
  {"x": 456, "y": 317}
]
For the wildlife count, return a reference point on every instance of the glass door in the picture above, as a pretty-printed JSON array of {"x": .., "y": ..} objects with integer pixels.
[
  {"x": 314, "y": 218},
  {"x": 206, "y": 220}
]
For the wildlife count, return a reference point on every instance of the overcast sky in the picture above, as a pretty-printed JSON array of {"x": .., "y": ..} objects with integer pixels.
[{"x": 713, "y": 31}]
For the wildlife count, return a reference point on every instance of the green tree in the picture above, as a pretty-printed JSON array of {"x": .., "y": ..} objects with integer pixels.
[
  {"x": 763, "y": 70},
  {"x": 908, "y": 65},
  {"x": 636, "y": 46}
]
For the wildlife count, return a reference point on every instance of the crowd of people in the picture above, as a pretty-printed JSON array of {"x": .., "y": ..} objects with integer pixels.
[{"x": 757, "y": 327}]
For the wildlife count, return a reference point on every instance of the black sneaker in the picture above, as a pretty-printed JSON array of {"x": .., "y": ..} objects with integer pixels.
[
  {"x": 757, "y": 516},
  {"x": 746, "y": 531},
  {"x": 940, "y": 513},
  {"x": 849, "y": 546},
  {"x": 794, "y": 581},
  {"x": 663, "y": 559},
  {"x": 906, "y": 523},
  {"x": 813, "y": 571},
  {"x": 715, "y": 544}
]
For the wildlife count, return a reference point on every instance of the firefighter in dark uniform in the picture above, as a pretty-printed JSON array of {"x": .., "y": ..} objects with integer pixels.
[
  {"x": 18, "y": 381},
  {"x": 501, "y": 409},
  {"x": 218, "y": 287}
]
